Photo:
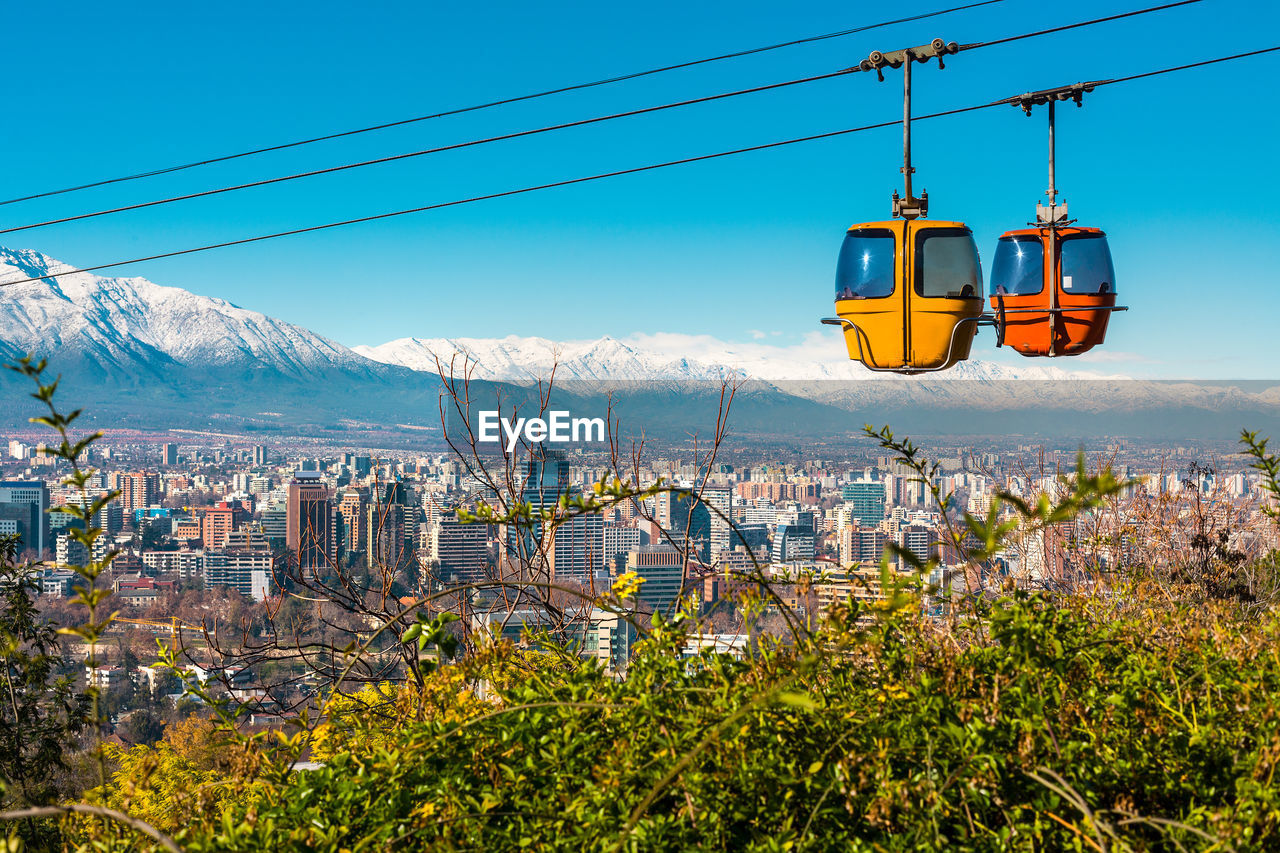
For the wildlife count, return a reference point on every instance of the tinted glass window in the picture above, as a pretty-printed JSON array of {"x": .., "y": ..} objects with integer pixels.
[
  {"x": 865, "y": 269},
  {"x": 1086, "y": 265},
  {"x": 1018, "y": 267},
  {"x": 947, "y": 264}
]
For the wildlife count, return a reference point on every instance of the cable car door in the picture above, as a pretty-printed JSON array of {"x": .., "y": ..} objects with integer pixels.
[{"x": 943, "y": 296}]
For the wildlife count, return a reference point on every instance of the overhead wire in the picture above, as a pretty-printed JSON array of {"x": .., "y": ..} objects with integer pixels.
[
  {"x": 498, "y": 103},
  {"x": 606, "y": 175},
  {"x": 1063, "y": 28},
  {"x": 547, "y": 129},
  {"x": 436, "y": 150}
]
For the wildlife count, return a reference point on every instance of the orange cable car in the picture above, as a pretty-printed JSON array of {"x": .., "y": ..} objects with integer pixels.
[
  {"x": 1053, "y": 285},
  {"x": 908, "y": 292}
]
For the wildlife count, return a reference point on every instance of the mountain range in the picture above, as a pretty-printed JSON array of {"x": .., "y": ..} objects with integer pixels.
[
  {"x": 138, "y": 353},
  {"x": 818, "y": 357}
]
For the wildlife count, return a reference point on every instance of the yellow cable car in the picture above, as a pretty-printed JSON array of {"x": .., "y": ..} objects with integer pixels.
[{"x": 908, "y": 292}]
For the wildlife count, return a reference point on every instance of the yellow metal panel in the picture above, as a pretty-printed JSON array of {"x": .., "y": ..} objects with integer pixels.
[{"x": 877, "y": 337}]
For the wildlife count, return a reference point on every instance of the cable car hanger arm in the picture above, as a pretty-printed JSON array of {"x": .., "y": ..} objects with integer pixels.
[{"x": 864, "y": 344}]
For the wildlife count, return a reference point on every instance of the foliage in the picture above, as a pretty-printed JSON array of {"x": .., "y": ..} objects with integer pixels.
[
  {"x": 1112, "y": 721},
  {"x": 40, "y": 709},
  {"x": 1075, "y": 725},
  {"x": 370, "y": 719},
  {"x": 197, "y": 771}
]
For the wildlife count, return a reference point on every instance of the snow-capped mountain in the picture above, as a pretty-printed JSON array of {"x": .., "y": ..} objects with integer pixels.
[
  {"x": 132, "y": 323},
  {"x": 516, "y": 359},
  {"x": 666, "y": 357},
  {"x": 143, "y": 354}
]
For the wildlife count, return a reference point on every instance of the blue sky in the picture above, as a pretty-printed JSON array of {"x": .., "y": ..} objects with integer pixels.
[{"x": 1180, "y": 170}]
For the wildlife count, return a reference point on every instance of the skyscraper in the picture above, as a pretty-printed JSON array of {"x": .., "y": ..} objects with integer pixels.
[
  {"x": 866, "y": 499},
  {"x": 309, "y": 527},
  {"x": 218, "y": 523},
  {"x": 393, "y": 530},
  {"x": 719, "y": 501},
  {"x": 24, "y": 508},
  {"x": 688, "y": 525},
  {"x": 355, "y": 523},
  {"x": 546, "y": 479},
  {"x": 662, "y": 568},
  {"x": 575, "y": 549},
  {"x": 171, "y": 454},
  {"x": 459, "y": 549},
  {"x": 138, "y": 490}
]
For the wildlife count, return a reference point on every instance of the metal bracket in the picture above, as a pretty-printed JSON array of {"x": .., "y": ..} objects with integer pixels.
[
  {"x": 1074, "y": 92},
  {"x": 1000, "y": 319},
  {"x": 910, "y": 207},
  {"x": 1053, "y": 214},
  {"x": 878, "y": 60}
]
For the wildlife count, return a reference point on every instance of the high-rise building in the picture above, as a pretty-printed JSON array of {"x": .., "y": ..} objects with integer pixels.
[
  {"x": 459, "y": 550},
  {"x": 24, "y": 508},
  {"x": 719, "y": 501},
  {"x": 355, "y": 523},
  {"x": 218, "y": 523},
  {"x": 575, "y": 549},
  {"x": 138, "y": 490},
  {"x": 393, "y": 530},
  {"x": 249, "y": 572},
  {"x": 793, "y": 542},
  {"x": 546, "y": 480},
  {"x": 662, "y": 568},
  {"x": 866, "y": 499},
  {"x": 309, "y": 522},
  {"x": 617, "y": 541},
  {"x": 862, "y": 545},
  {"x": 688, "y": 525},
  {"x": 69, "y": 552},
  {"x": 275, "y": 523},
  {"x": 920, "y": 540},
  {"x": 171, "y": 454},
  {"x": 260, "y": 455}
]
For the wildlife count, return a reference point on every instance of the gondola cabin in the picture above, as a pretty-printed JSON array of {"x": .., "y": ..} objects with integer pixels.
[
  {"x": 908, "y": 294},
  {"x": 1053, "y": 290}
]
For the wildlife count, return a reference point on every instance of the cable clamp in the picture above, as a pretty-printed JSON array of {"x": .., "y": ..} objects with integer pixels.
[
  {"x": 879, "y": 60},
  {"x": 1074, "y": 92}
]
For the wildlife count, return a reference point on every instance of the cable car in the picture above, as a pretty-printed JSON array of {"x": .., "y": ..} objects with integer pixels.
[
  {"x": 1053, "y": 289},
  {"x": 908, "y": 292},
  {"x": 1053, "y": 286}
]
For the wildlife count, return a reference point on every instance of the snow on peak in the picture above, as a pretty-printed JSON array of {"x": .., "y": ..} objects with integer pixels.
[
  {"x": 132, "y": 322},
  {"x": 667, "y": 356}
]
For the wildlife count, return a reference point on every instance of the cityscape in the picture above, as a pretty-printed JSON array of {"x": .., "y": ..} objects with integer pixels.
[
  {"x": 460, "y": 428},
  {"x": 244, "y": 523}
]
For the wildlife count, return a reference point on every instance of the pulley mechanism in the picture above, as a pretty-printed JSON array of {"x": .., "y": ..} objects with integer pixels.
[
  {"x": 908, "y": 206},
  {"x": 1053, "y": 214}
]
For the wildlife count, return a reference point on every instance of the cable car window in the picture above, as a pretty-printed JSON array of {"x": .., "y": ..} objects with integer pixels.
[
  {"x": 947, "y": 264},
  {"x": 865, "y": 268},
  {"x": 1086, "y": 265},
  {"x": 1018, "y": 267}
]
